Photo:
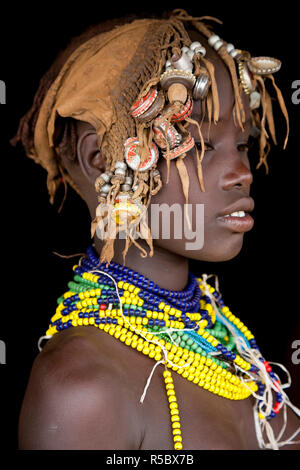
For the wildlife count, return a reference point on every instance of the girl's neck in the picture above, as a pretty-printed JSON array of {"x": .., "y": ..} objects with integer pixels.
[{"x": 168, "y": 270}]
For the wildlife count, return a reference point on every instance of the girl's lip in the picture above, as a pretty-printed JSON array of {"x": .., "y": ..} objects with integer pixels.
[{"x": 237, "y": 224}]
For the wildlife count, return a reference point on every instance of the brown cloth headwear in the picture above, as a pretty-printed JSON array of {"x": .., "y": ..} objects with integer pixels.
[{"x": 85, "y": 89}]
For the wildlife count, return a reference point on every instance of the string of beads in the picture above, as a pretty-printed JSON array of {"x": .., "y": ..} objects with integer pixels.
[{"x": 183, "y": 329}]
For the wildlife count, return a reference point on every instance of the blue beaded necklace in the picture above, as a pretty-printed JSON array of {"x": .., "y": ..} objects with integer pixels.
[
  {"x": 187, "y": 300},
  {"x": 114, "y": 280}
]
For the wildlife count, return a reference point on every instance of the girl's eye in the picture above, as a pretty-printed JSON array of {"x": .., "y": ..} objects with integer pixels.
[
  {"x": 243, "y": 147},
  {"x": 246, "y": 146},
  {"x": 207, "y": 146}
]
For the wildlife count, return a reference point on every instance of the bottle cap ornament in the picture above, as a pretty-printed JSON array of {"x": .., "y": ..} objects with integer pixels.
[
  {"x": 247, "y": 81},
  {"x": 183, "y": 148},
  {"x": 177, "y": 76},
  {"x": 185, "y": 112},
  {"x": 125, "y": 210},
  {"x": 149, "y": 107},
  {"x": 264, "y": 65},
  {"x": 177, "y": 92},
  {"x": 165, "y": 134},
  {"x": 142, "y": 105},
  {"x": 201, "y": 87},
  {"x": 133, "y": 159}
]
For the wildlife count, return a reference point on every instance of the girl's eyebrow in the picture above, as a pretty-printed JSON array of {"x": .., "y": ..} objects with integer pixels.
[{"x": 199, "y": 117}]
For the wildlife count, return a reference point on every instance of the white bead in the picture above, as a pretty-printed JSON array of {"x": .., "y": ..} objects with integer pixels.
[
  {"x": 125, "y": 187},
  {"x": 218, "y": 45},
  {"x": 194, "y": 45},
  {"x": 229, "y": 47},
  {"x": 190, "y": 54},
  {"x": 119, "y": 171},
  {"x": 234, "y": 53},
  {"x": 185, "y": 49},
  {"x": 128, "y": 180},
  {"x": 183, "y": 63},
  {"x": 213, "y": 39},
  {"x": 105, "y": 177},
  {"x": 200, "y": 50},
  {"x": 105, "y": 188},
  {"x": 168, "y": 63},
  {"x": 121, "y": 165}
]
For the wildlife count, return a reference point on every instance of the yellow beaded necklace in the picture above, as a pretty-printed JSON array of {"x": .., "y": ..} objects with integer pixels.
[{"x": 232, "y": 375}]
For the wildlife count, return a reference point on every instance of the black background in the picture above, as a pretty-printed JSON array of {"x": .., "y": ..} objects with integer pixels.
[{"x": 260, "y": 284}]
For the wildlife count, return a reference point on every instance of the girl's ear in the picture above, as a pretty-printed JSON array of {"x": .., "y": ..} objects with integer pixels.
[{"x": 89, "y": 156}]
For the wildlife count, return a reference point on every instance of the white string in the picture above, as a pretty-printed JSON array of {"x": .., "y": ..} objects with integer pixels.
[
  {"x": 266, "y": 400},
  {"x": 149, "y": 380},
  {"x": 249, "y": 354},
  {"x": 140, "y": 332},
  {"x": 41, "y": 339}
]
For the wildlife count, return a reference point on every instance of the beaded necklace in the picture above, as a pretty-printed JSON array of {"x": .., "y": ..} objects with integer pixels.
[{"x": 191, "y": 332}]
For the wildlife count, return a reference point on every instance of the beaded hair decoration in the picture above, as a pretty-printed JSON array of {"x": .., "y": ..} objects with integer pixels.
[{"x": 136, "y": 85}]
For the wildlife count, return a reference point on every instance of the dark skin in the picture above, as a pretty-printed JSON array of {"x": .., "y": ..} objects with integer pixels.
[{"x": 85, "y": 387}]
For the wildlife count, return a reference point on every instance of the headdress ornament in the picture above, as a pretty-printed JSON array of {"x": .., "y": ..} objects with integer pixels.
[{"x": 136, "y": 85}]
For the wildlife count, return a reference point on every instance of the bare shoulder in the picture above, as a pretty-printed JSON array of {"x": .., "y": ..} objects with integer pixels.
[{"x": 78, "y": 396}]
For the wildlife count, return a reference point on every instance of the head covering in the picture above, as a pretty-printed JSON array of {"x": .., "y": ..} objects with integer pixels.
[{"x": 109, "y": 80}]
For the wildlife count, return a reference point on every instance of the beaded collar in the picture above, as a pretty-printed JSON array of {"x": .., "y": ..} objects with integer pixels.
[{"x": 191, "y": 332}]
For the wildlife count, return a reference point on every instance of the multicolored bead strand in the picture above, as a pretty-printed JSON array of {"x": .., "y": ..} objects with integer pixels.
[{"x": 205, "y": 344}]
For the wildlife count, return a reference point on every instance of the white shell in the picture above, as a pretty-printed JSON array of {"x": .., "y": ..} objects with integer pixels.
[
  {"x": 254, "y": 100},
  {"x": 183, "y": 63},
  {"x": 190, "y": 54}
]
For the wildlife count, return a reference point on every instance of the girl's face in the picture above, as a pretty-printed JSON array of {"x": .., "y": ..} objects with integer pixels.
[{"x": 227, "y": 180}]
